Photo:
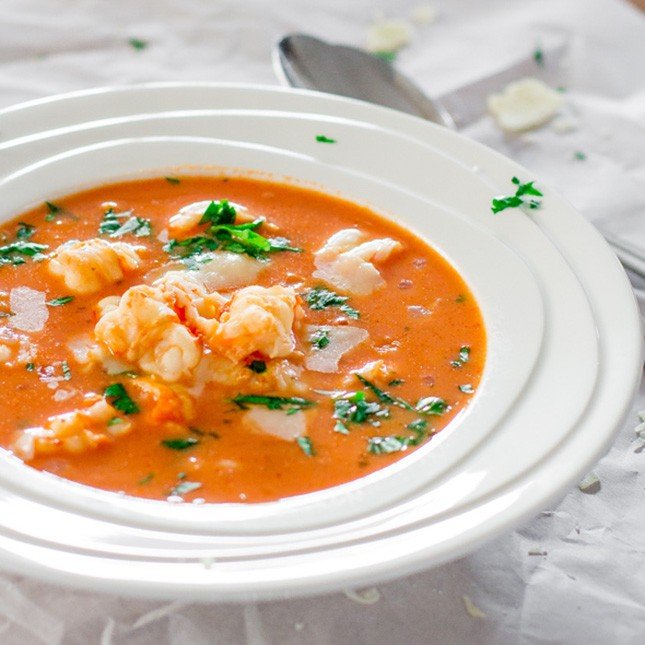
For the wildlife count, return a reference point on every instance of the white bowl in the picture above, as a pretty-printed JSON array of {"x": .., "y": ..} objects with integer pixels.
[{"x": 563, "y": 348}]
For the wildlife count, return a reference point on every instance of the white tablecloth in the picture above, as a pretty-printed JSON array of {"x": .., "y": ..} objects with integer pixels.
[{"x": 589, "y": 587}]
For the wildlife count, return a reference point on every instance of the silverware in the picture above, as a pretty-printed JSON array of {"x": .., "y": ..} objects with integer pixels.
[{"x": 311, "y": 63}]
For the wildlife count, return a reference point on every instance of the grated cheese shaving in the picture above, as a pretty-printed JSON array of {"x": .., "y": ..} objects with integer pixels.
[
  {"x": 524, "y": 105},
  {"x": 472, "y": 609}
]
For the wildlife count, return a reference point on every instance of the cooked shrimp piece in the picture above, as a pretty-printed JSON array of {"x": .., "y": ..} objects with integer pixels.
[
  {"x": 145, "y": 331},
  {"x": 161, "y": 403},
  {"x": 186, "y": 294},
  {"x": 258, "y": 319},
  {"x": 187, "y": 219},
  {"x": 87, "y": 267},
  {"x": 73, "y": 432},
  {"x": 348, "y": 264}
]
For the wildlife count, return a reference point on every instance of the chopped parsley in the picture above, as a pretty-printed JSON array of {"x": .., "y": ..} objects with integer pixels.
[
  {"x": 52, "y": 211},
  {"x": 16, "y": 252},
  {"x": 525, "y": 195},
  {"x": 59, "y": 302},
  {"x": 460, "y": 298},
  {"x": 30, "y": 367},
  {"x": 538, "y": 57},
  {"x": 321, "y": 138},
  {"x": 306, "y": 446},
  {"x": 25, "y": 231},
  {"x": 137, "y": 43},
  {"x": 464, "y": 357},
  {"x": 120, "y": 399},
  {"x": 396, "y": 381},
  {"x": 67, "y": 373},
  {"x": 320, "y": 298},
  {"x": 114, "y": 421},
  {"x": 184, "y": 487},
  {"x": 259, "y": 367},
  {"x": 467, "y": 388},
  {"x": 432, "y": 405},
  {"x": 397, "y": 443},
  {"x": 383, "y": 396},
  {"x": 289, "y": 404},
  {"x": 146, "y": 479},
  {"x": 222, "y": 232},
  {"x": 354, "y": 408},
  {"x": 320, "y": 338},
  {"x": 180, "y": 443},
  {"x": 579, "y": 156},
  {"x": 115, "y": 224},
  {"x": 386, "y": 55},
  {"x": 173, "y": 180}
]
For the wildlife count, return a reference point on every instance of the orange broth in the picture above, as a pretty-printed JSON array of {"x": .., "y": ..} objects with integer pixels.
[{"x": 230, "y": 462}]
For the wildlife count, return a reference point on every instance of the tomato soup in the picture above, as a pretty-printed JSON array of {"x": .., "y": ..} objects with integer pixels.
[{"x": 225, "y": 339}]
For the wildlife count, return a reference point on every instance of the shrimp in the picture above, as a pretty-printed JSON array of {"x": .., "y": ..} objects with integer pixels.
[
  {"x": 257, "y": 320},
  {"x": 73, "y": 432},
  {"x": 87, "y": 267},
  {"x": 348, "y": 264},
  {"x": 145, "y": 331}
]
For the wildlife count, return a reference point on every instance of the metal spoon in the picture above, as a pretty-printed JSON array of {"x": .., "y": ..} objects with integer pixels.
[{"x": 311, "y": 63}]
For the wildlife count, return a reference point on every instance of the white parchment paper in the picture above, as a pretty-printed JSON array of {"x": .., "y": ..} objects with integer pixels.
[{"x": 576, "y": 573}]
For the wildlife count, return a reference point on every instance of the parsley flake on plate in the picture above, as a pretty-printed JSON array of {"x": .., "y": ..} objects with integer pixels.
[
  {"x": 321, "y": 138},
  {"x": 525, "y": 195}
]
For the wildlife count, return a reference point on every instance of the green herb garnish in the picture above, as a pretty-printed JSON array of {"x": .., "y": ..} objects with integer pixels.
[
  {"x": 15, "y": 252},
  {"x": 320, "y": 298},
  {"x": 386, "y": 55},
  {"x": 184, "y": 487},
  {"x": 114, "y": 421},
  {"x": 222, "y": 232},
  {"x": 383, "y": 396},
  {"x": 525, "y": 195},
  {"x": 120, "y": 399},
  {"x": 30, "y": 367},
  {"x": 67, "y": 372},
  {"x": 137, "y": 43},
  {"x": 396, "y": 443},
  {"x": 259, "y": 367},
  {"x": 146, "y": 479},
  {"x": 460, "y": 298},
  {"x": 173, "y": 180},
  {"x": 579, "y": 156},
  {"x": 355, "y": 408},
  {"x": 290, "y": 404},
  {"x": 464, "y": 356},
  {"x": 59, "y": 302},
  {"x": 431, "y": 405},
  {"x": 538, "y": 57},
  {"x": 321, "y": 138},
  {"x": 52, "y": 211},
  {"x": 180, "y": 443},
  {"x": 113, "y": 226},
  {"x": 396, "y": 381},
  {"x": 306, "y": 446},
  {"x": 320, "y": 338},
  {"x": 25, "y": 231}
]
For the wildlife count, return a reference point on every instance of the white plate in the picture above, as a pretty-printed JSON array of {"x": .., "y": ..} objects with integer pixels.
[{"x": 559, "y": 314}]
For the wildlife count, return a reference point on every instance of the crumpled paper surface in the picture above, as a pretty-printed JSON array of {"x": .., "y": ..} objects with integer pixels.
[{"x": 576, "y": 573}]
